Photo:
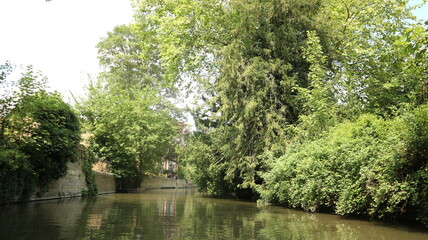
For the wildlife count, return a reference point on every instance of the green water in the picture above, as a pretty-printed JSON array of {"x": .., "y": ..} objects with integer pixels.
[{"x": 181, "y": 214}]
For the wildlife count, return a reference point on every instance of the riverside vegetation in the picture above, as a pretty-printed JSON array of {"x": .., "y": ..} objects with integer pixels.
[
  {"x": 312, "y": 104},
  {"x": 38, "y": 134},
  {"x": 319, "y": 105}
]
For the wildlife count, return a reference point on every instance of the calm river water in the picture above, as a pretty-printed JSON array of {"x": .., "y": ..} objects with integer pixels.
[{"x": 181, "y": 214}]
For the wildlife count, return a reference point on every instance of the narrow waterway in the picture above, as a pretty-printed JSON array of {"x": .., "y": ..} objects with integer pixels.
[{"x": 181, "y": 214}]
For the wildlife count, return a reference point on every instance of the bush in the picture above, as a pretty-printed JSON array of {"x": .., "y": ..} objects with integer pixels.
[
  {"x": 199, "y": 161},
  {"x": 47, "y": 130},
  {"x": 15, "y": 173},
  {"x": 38, "y": 137},
  {"x": 358, "y": 168},
  {"x": 417, "y": 153}
]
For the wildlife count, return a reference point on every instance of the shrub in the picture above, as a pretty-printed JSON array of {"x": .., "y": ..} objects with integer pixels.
[
  {"x": 15, "y": 173},
  {"x": 417, "y": 153},
  {"x": 355, "y": 168},
  {"x": 38, "y": 137},
  {"x": 47, "y": 130}
]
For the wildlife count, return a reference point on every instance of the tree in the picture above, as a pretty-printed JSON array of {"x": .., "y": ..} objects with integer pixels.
[
  {"x": 127, "y": 109},
  {"x": 274, "y": 72},
  {"x": 39, "y": 133},
  {"x": 119, "y": 55},
  {"x": 47, "y": 130},
  {"x": 413, "y": 47},
  {"x": 257, "y": 64},
  {"x": 132, "y": 132},
  {"x": 368, "y": 72}
]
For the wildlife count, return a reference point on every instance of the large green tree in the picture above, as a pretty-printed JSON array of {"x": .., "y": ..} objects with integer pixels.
[
  {"x": 120, "y": 56},
  {"x": 38, "y": 135},
  {"x": 132, "y": 132},
  {"x": 275, "y": 70},
  {"x": 127, "y": 110},
  {"x": 368, "y": 74},
  {"x": 248, "y": 56}
]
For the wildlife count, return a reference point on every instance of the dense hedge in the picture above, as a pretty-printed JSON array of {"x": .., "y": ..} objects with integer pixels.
[
  {"x": 37, "y": 139},
  {"x": 370, "y": 166}
]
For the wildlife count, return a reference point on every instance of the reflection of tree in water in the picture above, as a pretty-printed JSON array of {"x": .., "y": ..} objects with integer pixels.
[
  {"x": 120, "y": 219},
  {"x": 43, "y": 220},
  {"x": 132, "y": 216},
  {"x": 220, "y": 219},
  {"x": 176, "y": 215},
  {"x": 22, "y": 221}
]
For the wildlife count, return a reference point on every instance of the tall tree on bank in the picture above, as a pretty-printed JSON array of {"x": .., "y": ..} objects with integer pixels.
[
  {"x": 369, "y": 73},
  {"x": 132, "y": 122},
  {"x": 248, "y": 56},
  {"x": 132, "y": 132},
  {"x": 120, "y": 56},
  {"x": 261, "y": 71},
  {"x": 267, "y": 76}
]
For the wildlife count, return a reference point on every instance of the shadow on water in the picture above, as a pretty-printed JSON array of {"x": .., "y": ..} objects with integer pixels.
[{"x": 182, "y": 214}]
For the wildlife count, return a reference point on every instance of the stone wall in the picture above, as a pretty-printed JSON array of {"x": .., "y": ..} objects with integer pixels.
[
  {"x": 105, "y": 183},
  {"x": 153, "y": 182},
  {"x": 71, "y": 185}
]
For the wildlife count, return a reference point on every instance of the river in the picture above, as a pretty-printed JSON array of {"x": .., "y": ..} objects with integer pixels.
[{"x": 182, "y": 214}]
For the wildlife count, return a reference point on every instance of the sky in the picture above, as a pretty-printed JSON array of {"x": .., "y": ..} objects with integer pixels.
[
  {"x": 421, "y": 13},
  {"x": 59, "y": 37}
]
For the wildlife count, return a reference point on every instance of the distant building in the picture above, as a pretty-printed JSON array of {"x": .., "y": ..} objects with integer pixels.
[{"x": 170, "y": 165}]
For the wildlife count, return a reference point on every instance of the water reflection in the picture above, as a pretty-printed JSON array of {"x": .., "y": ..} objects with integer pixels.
[
  {"x": 181, "y": 214},
  {"x": 166, "y": 208}
]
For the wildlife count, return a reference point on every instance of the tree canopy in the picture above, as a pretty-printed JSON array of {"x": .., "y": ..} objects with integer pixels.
[
  {"x": 315, "y": 104},
  {"x": 278, "y": 76},
  {"x": 128, "y": 111},
  {"x": 39, "y": 133}
]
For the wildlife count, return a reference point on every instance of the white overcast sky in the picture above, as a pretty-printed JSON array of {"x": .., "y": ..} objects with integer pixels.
[{"x": 59, "y": 37}]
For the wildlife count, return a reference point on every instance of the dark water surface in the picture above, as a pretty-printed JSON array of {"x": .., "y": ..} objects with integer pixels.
[{"x": 181, "y": 214}]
